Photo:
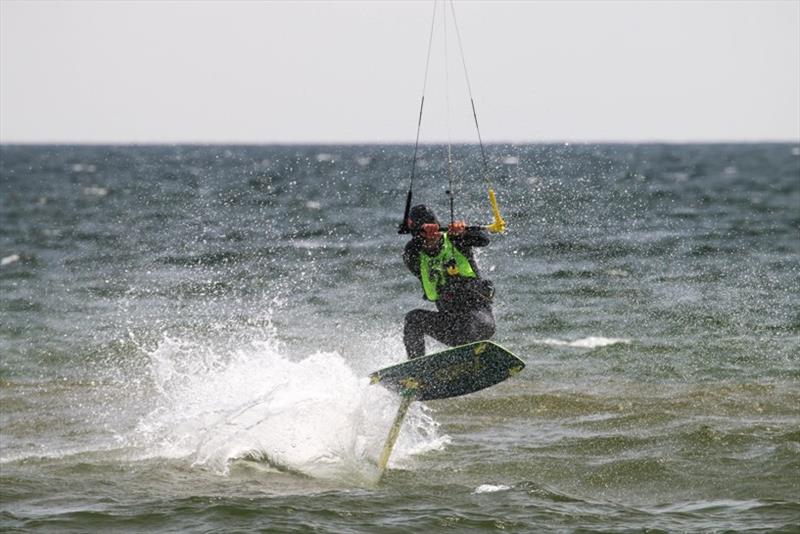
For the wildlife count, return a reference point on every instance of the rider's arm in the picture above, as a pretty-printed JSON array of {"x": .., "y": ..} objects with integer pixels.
[
  {"x": 411, "y": 257},
  {"x": 468, "y": 236}
]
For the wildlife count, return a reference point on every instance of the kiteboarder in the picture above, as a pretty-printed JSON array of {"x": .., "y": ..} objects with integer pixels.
[{"x": 445, "y": 264}]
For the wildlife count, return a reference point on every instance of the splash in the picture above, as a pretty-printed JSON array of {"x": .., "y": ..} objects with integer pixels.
[{"x": 313, "y": 416}]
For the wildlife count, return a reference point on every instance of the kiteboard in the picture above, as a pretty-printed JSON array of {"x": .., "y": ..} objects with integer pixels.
[{"x": 450, "y": 373}]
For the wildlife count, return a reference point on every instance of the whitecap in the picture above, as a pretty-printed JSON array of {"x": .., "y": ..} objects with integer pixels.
[
  {"x": 83, "y": 167},
  {"x": 677, "y": 176},
  {"x": 591, "y": 342},
  {"x": 8, "y": 260},
  {"x": 490, "y": 488},
  {"x": 95, "y": 190}
]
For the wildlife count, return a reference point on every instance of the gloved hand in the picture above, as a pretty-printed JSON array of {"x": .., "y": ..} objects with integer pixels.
[{"x": 456, "y": 228}]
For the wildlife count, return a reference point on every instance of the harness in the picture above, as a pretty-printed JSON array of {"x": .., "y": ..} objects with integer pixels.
[{"x": 435, "y": 270}]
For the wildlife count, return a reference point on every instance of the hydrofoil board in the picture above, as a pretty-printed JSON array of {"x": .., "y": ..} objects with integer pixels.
[{"x": 450, "y": 373}]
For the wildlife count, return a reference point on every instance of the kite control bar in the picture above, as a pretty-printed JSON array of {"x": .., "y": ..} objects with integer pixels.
[{"x": 498, "y": 224}]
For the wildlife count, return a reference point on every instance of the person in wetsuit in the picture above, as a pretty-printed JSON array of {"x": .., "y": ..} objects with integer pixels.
[{"x": 445, "y": 265}]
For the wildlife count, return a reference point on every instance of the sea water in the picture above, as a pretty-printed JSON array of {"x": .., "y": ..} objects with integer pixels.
[{"x": 186, "y": 334}]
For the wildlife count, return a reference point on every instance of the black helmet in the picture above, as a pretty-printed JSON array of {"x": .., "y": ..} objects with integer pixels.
[{"x": 419, "y": 215}]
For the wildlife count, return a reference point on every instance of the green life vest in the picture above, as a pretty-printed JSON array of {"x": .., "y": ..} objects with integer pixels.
[{"x": 434, "y": 270}]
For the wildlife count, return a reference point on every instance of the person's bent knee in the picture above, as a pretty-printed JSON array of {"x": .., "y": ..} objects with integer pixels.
[
  {"x": 415, "y": 317},
  {"x": 483, "y": 326}
]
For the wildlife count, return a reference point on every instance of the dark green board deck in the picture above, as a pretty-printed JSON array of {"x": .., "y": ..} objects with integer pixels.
[{"x": 450, "y": 373}]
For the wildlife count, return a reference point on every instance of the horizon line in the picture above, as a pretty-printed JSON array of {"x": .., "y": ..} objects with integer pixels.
[{"x": 399, "y": 143}]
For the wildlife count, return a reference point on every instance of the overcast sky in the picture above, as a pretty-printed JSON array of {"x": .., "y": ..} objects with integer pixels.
[{"x": 339, "y": 72}]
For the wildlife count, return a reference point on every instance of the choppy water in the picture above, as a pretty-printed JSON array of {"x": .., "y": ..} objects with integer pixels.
[{"x": 185, "y": 334}]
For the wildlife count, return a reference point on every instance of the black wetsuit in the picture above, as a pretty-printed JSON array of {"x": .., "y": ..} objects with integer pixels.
[{"x": 464, "y": 305}]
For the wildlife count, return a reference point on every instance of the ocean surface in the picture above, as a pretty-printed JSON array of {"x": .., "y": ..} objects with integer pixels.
[{"x": 186, "y": 334}]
